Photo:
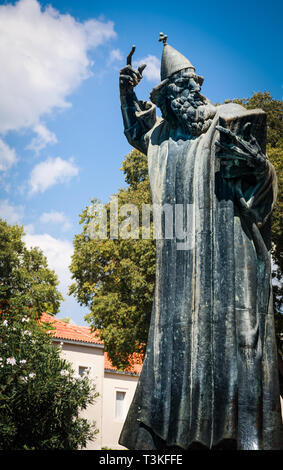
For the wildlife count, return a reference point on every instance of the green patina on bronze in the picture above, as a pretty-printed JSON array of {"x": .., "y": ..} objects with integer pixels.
[{"x": 210, "y": 375}]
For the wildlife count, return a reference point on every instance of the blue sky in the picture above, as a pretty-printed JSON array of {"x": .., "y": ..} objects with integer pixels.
[{"x": 61, "y": 133}]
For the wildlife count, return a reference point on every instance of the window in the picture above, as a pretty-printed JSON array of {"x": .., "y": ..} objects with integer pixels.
[
  {"x": 120, "y": 405},
  {"x": 83, "y": 370}
]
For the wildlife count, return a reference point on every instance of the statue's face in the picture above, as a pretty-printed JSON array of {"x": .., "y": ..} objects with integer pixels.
[
  {"x": 190, "y": 108},
  {"x": 185, "y": 91}
]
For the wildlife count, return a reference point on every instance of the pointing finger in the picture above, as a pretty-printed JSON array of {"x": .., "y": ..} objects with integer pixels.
[{"x": 129, "y": 58}]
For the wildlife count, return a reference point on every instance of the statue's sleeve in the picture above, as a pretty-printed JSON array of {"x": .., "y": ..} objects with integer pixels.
[
  {"x": 139, "y": 121},
  {"x": 264, "y": 195}
]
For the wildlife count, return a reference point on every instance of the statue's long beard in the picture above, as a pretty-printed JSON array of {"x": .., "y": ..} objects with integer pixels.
[{"x": 193, "y": 112}]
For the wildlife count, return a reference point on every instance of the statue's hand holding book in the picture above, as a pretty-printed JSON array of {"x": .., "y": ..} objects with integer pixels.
[{"x": 241, "y": 155}]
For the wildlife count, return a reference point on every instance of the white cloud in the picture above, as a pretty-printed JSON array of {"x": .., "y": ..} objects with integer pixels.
[
  {"x": 55, "y": 217},
  {"x": 115, "y": 54},
  {"x": 11, "y": 213},
  {"x": 43, "y": 138},
  {"x": 44, "y": 57},
  {"x": 29, "y": 228},
  {"x": 152, "y": 70},
  {"x": 7, "y": 156},
  {"x": 50, "y": 172},
  {"x": 58, "y": 253}
]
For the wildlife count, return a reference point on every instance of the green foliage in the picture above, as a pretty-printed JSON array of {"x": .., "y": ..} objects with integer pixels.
[
  {"x": 274, "y": 111},
  {"x": 24, "y": 273},
  {"x": 115, "y": 278},
  {"x": 66, "y": 319},
  {"x": 40, "y": 395},
  {"x": 135, "y": 169}
]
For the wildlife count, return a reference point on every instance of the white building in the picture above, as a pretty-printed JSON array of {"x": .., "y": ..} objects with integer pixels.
[{"x": 116, "y": 388}]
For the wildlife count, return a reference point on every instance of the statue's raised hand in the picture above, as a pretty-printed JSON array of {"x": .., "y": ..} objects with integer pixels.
[
  {"x": 238, "y": 149},
  {"x": 130, "y": 77}
]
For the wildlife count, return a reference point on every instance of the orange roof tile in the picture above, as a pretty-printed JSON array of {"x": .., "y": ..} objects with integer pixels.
[
  {"x": 135, "y": 364},
  {"x": 65, "y": 330},
  {"x": 84, "y": 334}
]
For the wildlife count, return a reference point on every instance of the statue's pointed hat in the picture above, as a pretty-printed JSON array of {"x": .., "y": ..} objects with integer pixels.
[{"x": 172, "y": 62}]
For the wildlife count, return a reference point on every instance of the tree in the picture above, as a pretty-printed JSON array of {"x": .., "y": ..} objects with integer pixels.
[
  {"x": 66, "y": 319},
  {"x": 40, "y": 395},
  {"x": 115, "y": 278},
  {"x": 24, "y": 273}
]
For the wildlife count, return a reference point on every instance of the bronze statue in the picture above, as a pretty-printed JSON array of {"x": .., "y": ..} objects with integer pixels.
[{"x": 210, "y": 376}]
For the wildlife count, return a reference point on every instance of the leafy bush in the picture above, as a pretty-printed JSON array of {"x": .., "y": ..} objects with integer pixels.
[{"x": 40, "y": 395}]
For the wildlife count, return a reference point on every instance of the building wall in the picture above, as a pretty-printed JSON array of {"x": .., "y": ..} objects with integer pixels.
[
  {"x": 111, "y": 426},
  {"x": 93, "y": 357},
  {"x": 106, "y": 384}
]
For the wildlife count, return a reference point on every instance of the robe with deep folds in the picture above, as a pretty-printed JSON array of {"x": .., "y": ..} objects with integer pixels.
[{"x": 210, "y": 372}]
